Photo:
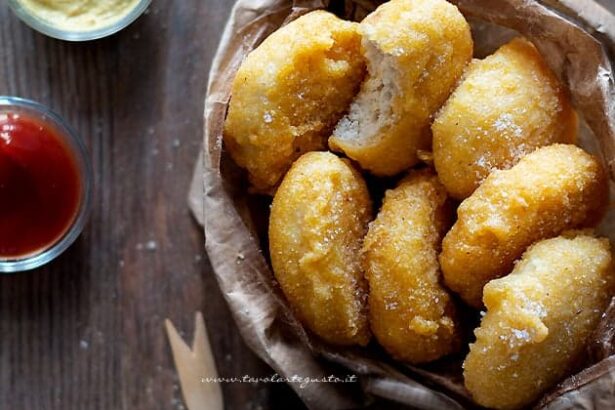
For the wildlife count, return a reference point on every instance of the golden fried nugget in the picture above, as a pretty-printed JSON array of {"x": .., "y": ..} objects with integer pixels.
[
  {"x": 318, "y": 220},
  {"x": 553, "y": 189},
  {"x": 411, "y": 314},
  {"x": 416, "y": 51},
  {"x": 289, "y": 93},
  {"x": 506, "y": 106},
  {"x": 539, "y": 320}
]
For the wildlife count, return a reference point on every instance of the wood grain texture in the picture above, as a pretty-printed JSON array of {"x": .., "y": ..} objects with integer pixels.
[{"x": 86, "y": 332}]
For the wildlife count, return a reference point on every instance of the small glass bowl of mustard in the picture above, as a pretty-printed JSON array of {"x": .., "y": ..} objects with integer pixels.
[{"x": 78, "y": 20}]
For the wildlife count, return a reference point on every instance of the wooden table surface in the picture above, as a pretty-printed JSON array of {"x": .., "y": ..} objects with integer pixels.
[{"x": 86, "y": 331}]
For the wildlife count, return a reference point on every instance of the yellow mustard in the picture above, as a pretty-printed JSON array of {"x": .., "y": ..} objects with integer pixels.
[{"x": 79, "y": 15}]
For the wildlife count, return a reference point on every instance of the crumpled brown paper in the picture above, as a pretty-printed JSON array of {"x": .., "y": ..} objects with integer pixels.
[{"x": 235, "y": 222}]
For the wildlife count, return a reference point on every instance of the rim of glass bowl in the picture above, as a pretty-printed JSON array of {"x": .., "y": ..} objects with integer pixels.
[
  {"x": 46, "y": 255},
  {"x": 50, "y": 30}
]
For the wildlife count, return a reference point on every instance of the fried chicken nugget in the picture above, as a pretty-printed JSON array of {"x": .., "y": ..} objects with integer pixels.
[
  {"x": 553, "y": 189},
  {"x": 506, "y": 106},
  {"x": 416, "y": 51},
  {"x": 318, "y": 220},
  {"x": 411, "y": 314},
  {"x": 289, "y": 93},
  {"x": 538, "y": 320}
]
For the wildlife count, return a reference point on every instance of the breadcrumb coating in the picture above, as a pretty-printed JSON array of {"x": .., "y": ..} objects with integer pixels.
[
  {"x": 553, "y": 189},
  {"x": 506, "y": 106},
  {"x": 318, "y": 219},
  {"x": 411, "y": 314},
  {"x": 416, "y": 51},
  {"x": 539, "y": 320},
  {"x": 289, "y": 93}
]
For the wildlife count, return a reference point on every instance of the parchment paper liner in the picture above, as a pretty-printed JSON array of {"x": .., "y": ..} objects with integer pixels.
[{"x": 234, "y": 222}]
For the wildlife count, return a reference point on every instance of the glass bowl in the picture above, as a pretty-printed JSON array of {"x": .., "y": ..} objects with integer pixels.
[
  {"x": 84, "y": 168},
  {"x": 50, "y": 30}
]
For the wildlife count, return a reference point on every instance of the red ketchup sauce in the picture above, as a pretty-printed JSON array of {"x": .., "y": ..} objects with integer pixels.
[{"x": 40, "y": 185}]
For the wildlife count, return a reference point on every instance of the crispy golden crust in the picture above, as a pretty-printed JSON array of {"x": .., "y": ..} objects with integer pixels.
[
  {"x": 506, "y": 106},
  {"x": 411, "y": 314},
  {"x": 554, "y": 188},
  {"x": 318, "y": 220},
  {"x": 538, "y": 320},
  {"x": 416, "y": 52},
  {"x": 289, "y": 93}
]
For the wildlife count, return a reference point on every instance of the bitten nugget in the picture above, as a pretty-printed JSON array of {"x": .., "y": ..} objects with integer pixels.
[
  {"x": 416, "y": 51},
  {"x": 318, "y": 220},
  {"x": 506, "y": 106},
  {"x": 539, "y": 319},
  {"x": 554, "y": 188},
  {"x": 411, "y": 314},
  {"x": 289, "y": 93}
]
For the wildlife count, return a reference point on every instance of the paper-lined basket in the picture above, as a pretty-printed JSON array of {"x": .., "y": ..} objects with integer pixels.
[{"x": 575, "y": 36}]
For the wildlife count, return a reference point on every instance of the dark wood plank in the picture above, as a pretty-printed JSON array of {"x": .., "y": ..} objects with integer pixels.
[{"x": 86, "y": 332}]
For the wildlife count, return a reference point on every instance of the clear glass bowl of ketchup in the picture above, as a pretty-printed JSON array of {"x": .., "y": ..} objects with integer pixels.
[{"x": 45, "y": 185}]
